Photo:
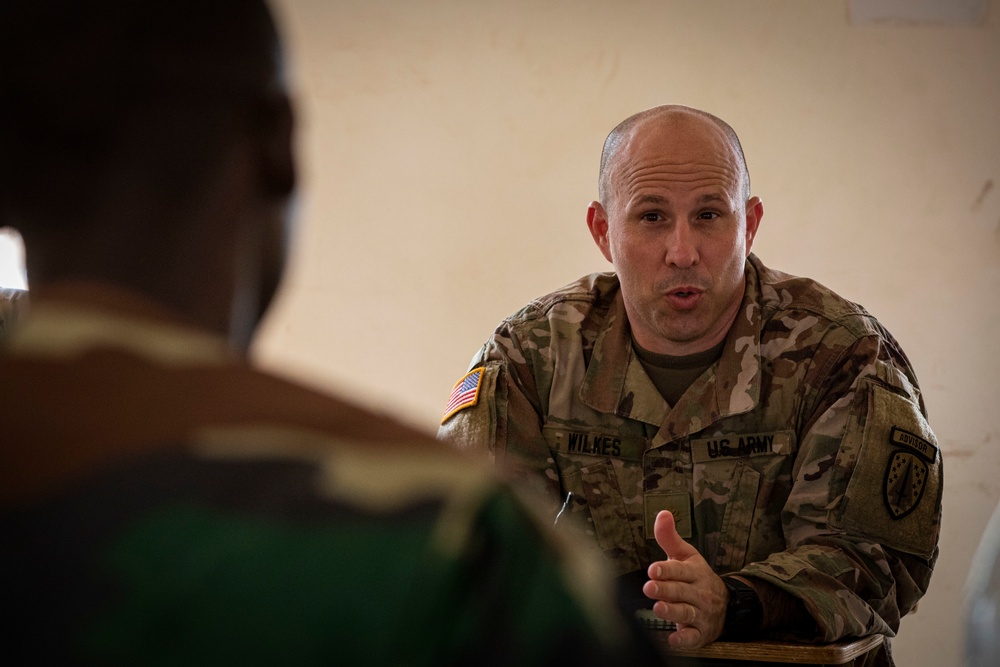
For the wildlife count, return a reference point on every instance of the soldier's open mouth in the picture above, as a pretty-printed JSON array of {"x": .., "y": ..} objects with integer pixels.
[{"x": 684, "y": 299}]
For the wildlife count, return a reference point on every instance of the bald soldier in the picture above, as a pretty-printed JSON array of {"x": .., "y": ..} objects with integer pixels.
[{"x": 765, "y": 434}]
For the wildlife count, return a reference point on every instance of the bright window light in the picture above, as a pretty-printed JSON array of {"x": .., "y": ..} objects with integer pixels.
[{"x": 12, "y": 272}]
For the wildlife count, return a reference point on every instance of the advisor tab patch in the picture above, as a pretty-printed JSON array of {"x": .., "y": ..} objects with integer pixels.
[
  {"x": 465, "y": 394},
  {"x": 898, "y": 436}
]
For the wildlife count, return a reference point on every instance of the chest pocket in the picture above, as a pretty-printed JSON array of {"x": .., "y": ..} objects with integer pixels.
[
  {"x": 597, "y": 500},
  {"x": 733, "y": 479},
  {"x": 593, "y": 469}
]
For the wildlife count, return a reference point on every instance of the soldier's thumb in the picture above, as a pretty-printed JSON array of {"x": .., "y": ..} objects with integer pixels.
[{"x": 665, "y": 532}]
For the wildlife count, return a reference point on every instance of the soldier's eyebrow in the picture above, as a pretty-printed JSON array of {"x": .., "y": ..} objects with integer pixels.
[
  {"x": 712, "y": 197},
  {"x": 651, "y": 199},
  {"x": 659, "y": 200}
]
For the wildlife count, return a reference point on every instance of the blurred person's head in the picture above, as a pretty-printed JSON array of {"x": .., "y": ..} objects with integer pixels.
[{"x": 148, "y": 144}]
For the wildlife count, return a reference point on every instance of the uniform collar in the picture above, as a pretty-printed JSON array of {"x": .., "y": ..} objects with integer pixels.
[
  {"x": 616, "y": 382},
  {"x": 74, "y": 318}
]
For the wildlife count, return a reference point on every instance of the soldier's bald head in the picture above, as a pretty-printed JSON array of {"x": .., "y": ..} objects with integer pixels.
[{"x": 617, "y": 143}]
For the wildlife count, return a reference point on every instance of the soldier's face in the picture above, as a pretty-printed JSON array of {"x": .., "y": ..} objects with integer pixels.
[{"x": 678, "y": 231}]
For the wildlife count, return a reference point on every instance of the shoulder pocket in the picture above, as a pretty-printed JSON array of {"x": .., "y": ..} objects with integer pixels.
[
  {"x": 474, "y": 411},
  {"x": 894, "y": 491}
]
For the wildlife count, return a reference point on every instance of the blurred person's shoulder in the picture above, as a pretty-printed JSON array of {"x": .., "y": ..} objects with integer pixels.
[{"x": 12, "y": 304}]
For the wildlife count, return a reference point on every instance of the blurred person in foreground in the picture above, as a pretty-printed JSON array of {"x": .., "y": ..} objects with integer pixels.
[
  {"x": 763, "y": 432},
  {"x": 12, "y": 301},
  {"x": 982, "y": 593},
  {"x": 163, "y": 502}
]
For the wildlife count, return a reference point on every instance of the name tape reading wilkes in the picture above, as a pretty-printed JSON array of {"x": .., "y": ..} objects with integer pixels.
[{"x": 595, "y": 444}]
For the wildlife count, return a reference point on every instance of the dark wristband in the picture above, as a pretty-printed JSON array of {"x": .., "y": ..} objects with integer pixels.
[{"x": 744, "y": 614}]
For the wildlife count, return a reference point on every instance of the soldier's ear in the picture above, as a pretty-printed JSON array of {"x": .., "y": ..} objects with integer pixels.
[
  {"x": 755, "y": 211},
  {"x": 597, "y": 222}
]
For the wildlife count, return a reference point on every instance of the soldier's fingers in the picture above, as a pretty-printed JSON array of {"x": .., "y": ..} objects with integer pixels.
[
  {"x": 686, "y": 637},
  {"x": 682, "y": 613},
  {"x": 674, "y": 570},
  {"x": 669, "y": 591}
]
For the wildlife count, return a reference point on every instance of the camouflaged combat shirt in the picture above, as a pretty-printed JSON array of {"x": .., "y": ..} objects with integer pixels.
[
  {"x": 802, "y": 457},
  {"x": 162, "y": 502}
]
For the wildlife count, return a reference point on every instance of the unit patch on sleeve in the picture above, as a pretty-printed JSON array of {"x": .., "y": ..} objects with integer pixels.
[
  {"x": 465, "y": 394},
  {"x": 906, "y": 474},
  {"x": 893, "y": 463}
]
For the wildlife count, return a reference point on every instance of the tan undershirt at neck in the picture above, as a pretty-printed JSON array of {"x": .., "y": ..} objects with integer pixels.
[{"x": 673, "y": 375}]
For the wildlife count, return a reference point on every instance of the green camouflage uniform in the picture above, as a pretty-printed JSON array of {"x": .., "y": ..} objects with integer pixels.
[
  {"x": 802, "y": 457},
  {"x": 163, "y": 503}
]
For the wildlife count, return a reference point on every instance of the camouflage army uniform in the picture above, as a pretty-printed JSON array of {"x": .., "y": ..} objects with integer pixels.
[
  {"x": 162, "y": 502},
  {"x": 802, "y": 457}
]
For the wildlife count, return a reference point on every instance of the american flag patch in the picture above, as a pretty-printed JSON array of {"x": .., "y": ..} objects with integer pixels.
[{"x": 465, "y": 394}]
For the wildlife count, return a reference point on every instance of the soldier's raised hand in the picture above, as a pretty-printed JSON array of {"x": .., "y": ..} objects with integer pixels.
[{"x": 687, "y": 591}]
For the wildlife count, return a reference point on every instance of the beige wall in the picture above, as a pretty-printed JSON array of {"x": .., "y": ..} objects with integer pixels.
[{"x": 450, "y": 147}]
